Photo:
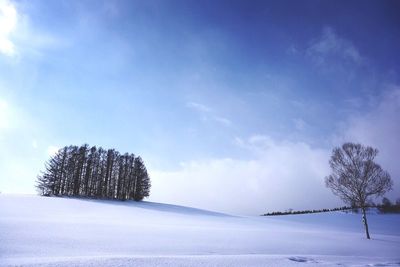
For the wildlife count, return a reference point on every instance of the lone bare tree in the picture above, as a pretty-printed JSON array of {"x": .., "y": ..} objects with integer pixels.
[{"x": 356, "y": 177}]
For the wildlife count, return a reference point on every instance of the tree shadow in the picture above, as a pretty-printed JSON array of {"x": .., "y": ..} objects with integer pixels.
[{"x": 148, "y": 205}]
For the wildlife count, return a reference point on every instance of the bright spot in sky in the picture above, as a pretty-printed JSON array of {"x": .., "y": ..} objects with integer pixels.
[
  {"x": 34, "y": 144},
  {"x": 52, "y": 150},
  {"x": 3, "y": 104},
  {"x": 8, "y": 22}
]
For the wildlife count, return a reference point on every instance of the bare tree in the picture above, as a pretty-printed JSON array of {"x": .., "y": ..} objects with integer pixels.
[{"x": 356, "y": 178}]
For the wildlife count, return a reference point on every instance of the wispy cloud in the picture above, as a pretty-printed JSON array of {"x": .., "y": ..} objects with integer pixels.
[
  {"x": 255, "y": 143},
  {"x": 207, "y": 113},
  {"x": 329, "y": 44},
  {"x": 199, "y": 107},
  {"x": 111, "y": 8},
  {"x": 292, "y": 50},
  {"x": 18, "y": 36},
  {"x": 222, "y": 120},
  {"x": 8, "y": 23},
  {"x": 299, "y": 124},
  {"x": 379, "y": 127}
]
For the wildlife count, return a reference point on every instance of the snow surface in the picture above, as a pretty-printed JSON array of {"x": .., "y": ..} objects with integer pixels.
[{"x": 44, "y": 231}]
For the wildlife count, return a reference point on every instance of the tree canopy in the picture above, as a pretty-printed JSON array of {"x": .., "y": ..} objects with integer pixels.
[{"x": 94, "y": 172}]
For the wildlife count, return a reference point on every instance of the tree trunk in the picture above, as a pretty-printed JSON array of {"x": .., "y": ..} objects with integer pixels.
[{"x": 365, "y": 222}]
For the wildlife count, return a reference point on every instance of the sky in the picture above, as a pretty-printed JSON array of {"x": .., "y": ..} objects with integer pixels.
[{"x": 234, "y": 106}]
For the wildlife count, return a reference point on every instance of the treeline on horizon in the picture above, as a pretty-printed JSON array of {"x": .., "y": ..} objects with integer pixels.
[
  {"x": 94, "y": 172},
  {"x": 385, "y": 207},
  {"x": 388, "y": 207},
  {"x": 294, "y": 212}
]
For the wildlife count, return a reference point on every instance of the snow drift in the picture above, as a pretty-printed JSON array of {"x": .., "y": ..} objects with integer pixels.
[{"x": 45, "y": 231}]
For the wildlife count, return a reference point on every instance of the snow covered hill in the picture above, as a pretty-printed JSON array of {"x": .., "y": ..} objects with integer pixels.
[{"x": 43, "y": 231}]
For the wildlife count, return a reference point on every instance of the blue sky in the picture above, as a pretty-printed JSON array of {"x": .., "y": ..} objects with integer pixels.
[{"x": 234, "y": 105}]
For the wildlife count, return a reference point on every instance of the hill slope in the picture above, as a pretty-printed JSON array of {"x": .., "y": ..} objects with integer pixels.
[{"x": 41, "y": 231}]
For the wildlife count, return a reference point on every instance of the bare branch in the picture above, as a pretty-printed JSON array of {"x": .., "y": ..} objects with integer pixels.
[{"x": 356, "y": 177}]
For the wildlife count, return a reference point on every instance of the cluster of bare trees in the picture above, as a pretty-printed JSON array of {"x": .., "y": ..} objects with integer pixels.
[{"x": 94, "y": 172}]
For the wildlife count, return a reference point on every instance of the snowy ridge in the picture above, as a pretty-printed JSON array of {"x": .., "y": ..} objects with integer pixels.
[{"x": 43, "y": 231}]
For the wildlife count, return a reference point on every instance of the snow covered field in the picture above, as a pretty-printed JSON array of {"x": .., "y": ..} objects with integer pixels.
[{"x": 41, "y": 231}]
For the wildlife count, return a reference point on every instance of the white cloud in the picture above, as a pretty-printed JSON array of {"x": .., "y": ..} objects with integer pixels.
[
  {"x": 280, "y": 176},
  {"x": 329, "y": 44},
  {"x": 18, "y": 36},
  {"x": 207, "y": 113},
  {"x": 8, "y": 23}
]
